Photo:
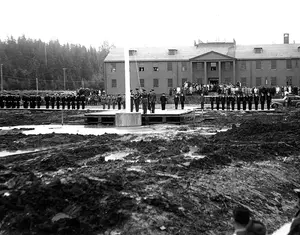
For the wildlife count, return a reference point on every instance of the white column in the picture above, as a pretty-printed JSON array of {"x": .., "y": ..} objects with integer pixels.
[
  {"x": 205, "y": 73},
  {"x": 127, "y": 79},
  {"x": 233, "y": 80},
  {"x": 220, "y": 73}
]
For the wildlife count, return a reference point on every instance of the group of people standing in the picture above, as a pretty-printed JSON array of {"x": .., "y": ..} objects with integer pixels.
[
  {"x": 241, "y": 101},
  {"x": 36, "y": 101}
]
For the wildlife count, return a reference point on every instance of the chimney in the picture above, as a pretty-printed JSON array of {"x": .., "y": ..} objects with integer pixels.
[{"x": 286, "y": 38}]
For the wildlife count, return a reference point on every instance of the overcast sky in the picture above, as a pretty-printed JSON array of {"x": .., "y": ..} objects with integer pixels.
[{"x": 151, "y": 23}]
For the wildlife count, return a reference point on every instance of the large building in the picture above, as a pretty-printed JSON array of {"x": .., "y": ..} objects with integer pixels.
[{"x": 205, "y": 63}]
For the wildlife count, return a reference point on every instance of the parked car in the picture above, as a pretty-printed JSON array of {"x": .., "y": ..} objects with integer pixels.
[{"x": 295, "y": 101}]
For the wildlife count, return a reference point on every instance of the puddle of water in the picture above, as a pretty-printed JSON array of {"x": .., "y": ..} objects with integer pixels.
[
  {"x": 136, "y": 168},
  {"x": 283, "y": 230},
  {"x": 192, "y": 154},
  {"x": 117, "y": 155},
  {"x": 10, "y": 153}
]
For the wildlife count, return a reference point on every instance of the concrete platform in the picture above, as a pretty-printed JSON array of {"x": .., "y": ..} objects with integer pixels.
[
  {"x": 125, "y": 119},
  {"x": 178, "y": 116}
]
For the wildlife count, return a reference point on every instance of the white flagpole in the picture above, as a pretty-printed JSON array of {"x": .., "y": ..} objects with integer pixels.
[{"x": 127, "y": 78}]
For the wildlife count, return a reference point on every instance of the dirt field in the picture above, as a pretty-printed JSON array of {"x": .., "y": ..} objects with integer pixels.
[{"x": 180, "y": 182}]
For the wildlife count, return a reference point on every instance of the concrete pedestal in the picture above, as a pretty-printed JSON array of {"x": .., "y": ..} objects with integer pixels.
[{"x": 128, "y": 119}]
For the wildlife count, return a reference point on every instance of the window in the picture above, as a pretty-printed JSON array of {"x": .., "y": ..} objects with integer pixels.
[
  {"x": 289, "y": 80},
  {"x": 258, "y": 64},
  {"x": 213, "y": 66},
  {"x": 155, "y": 82},
  {"x": 227, "y": 66},
  {"x": 142, "y": 82},
  {"x": 273, "y": 64},
  {"x": 199, "y": 66},
  {"x": 183, "y": 66},
  {"x": 172, "y": 52},
  {"x": 273, "y": 81},
  {"x": 114, "y": 83},
  {"x": 258, "y": 50},
  {"x": 288, "y": 64},
  {"x": 141, "y": 69},
  {"x": 169, "y": 66},
  {"x": 258, "y": 81},
  {"x": 113, "y": 67},
  {"x": 170, "y": 82},
  {"x": 132, "y": 52},
  {"x": 244, "y": 81},
  {"x": 243, "y": 65},
  {"x": 155, "y": 69},
  {"x": 183, "y": 81}
]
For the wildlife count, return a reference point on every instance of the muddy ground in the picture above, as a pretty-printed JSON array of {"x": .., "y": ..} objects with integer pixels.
[{"x": 187, "y": 183}]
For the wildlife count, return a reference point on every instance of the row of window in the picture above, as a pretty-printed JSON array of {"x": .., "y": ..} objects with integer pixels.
[
  {"x": 259, "y": 81},
  {"x": 213, "y": 66}
]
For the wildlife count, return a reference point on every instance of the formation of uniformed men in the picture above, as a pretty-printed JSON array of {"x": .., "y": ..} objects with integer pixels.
[
  {"x": 148, "y": 100},
  {"x": 35, "y": 101},
  {"x": 241, "y": 101}
]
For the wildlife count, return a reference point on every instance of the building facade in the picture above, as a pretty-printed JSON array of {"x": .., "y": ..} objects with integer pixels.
[{"x": 205, "y": 63}]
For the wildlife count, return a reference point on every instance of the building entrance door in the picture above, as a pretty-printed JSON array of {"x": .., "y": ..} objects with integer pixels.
[{"x": 213, "y": 81}]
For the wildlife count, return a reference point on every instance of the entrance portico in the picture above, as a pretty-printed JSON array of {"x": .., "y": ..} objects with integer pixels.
[{"x": 213, "y": 68}]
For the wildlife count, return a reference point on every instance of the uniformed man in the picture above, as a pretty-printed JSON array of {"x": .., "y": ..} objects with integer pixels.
[
  {"x": 144, "y": 101},
  {"x": 38, "y": 101},
  {"x": 82, "y": 99},
  {"x": 63, "y": 101},
  {"x": 238, "y": 101},
  {"x": 13, "y": 101},
  {"x": 163, "y": 101},
  {"x": 137, "y": 98},
  {"x": 47, "y": 101},
  {"x": 232, "y": 101},
  {"x": 1, "y": 101},
  {"x": 202, "y": 101},
  {"x": 176, "y": 100},
  {"x": 149, "y": 103},
  {"x": 218, "y": 102},
  {"x": 250, "y": 101},
  {"x": 52, "y": 101},
  {"x": 73, "y": 101},
  {"x": 124, "y": 101},
  {"x": 182, "y": 100},
  {"x": 119, "y": 101},
  {"x": 262, "y": 101},
  {"x": 223, "y": 101},
  {"x": 269, "y": 99},
  {"x": 103, "y": 101},
  {"x": 25, "y": 100},
  {"x": 68, "y": 101},
  {"x": 131, "y": 101},
  {"x": 114, "y": 101},
  {"x": 244, "y": 101},
  {"x": 57, "y": 99},
  {"x": 78, "y": 99},
  {"x": 212, "y": 99},
  {"x": 152, "y": 100},
  {"x": 256, "y": 101},
  {"x": 228, "y": 102}
]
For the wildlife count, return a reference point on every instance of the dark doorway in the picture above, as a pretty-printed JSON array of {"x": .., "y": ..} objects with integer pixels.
[{"x": 213, "y": 81}]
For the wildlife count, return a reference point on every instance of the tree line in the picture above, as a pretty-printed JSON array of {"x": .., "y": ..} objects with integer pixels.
[{"x": 28, "y": 64}]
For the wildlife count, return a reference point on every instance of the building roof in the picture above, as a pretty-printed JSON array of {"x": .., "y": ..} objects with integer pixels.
[{"x": 269, "y": 51}]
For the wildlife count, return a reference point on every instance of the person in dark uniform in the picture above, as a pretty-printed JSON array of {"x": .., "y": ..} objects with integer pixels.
[
  {"x": 103, "y": 101},
  {"x": 218, "y": 102},
  {"x": 63, "y": 101},
  {"x": 13, "y": 101},
  {"x": 244, "y": 100},
  {"x": 202, "y": 101},
  {"x": 136, "y": 99},
  {"x": 119, "y": 101},
  {"x": 144, "y": 101},
  {"x": 232, "y": 99},
  {"x": 250, "y": 101},
  {"x": 82, "y": 99},
  {"x": 52, "y": 99},
  {"x": 228, "y": 102},
  {"x": 38, "y": 101},
  {"x": 114, "y": 101},
  {"x": 212, "y": 99},
  {"x": 1, "y": 101},
  {"x": 163, "y": 101},
  {"x": 223, "y": 101},
  {"x": 47, "y": 101},
  {"x": 77, "y": 101},
  {"x": 256, "y": 101},
  {"x": 152, "y": 100},
  {"x": 149, "y": 103},
  {"x": 57, "y": 99},
  {"x": 131, "y": 101},
  {"x": 124, "y": 101},
  {"x": 25, "y": 99},
  {"x": 73, "y": 101},
  {"x": 176, "y": 100},
  {"x": 30, "y": 101},
  {"x": 182, "y": 100},
  {"x": 262, "y": 101},
  {"x": 68, "y": 101},
  {"x": 238, "y": 101},
  {"x": 269, "y": 99}
]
